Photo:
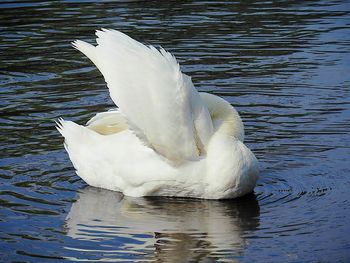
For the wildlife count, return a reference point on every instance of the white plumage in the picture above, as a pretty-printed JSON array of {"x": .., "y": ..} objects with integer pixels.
[{"x": 166, "y": 138}]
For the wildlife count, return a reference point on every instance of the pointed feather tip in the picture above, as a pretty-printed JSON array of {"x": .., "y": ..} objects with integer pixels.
[
  {"x": 75, "y": 44},
  {"x": 85, "y": 48},
  {"x": 80, "y": 45},
  {"x": 60, "y": 125},
  {"x": 103, "y": 31},
  {"x": 98, "y": 32}
]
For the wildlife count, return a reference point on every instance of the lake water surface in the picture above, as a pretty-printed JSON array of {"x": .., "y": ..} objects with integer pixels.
[{"x": 286, "y": 68}]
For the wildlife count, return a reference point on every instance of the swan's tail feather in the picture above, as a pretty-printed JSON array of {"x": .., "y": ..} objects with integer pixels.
[
  {"x": 76, "y": 140},
  {"x": 72, "y": 132},
  {"x": 65, "y": 127}
]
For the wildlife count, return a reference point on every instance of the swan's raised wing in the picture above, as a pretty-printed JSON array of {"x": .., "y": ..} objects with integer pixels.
[{"x": 159, "y": 102}]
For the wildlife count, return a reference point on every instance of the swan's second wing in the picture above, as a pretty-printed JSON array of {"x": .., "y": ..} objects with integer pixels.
[{"x": 159, "y": 101}]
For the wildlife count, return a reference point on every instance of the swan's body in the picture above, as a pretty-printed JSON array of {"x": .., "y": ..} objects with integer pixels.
[{"x": 166, "y": 138}]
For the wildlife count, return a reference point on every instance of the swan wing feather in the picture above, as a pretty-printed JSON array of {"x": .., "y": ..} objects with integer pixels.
[{"x": 158, "y": 100}]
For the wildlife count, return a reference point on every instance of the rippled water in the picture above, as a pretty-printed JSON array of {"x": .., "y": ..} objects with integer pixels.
[{"x": 285, "y": 66}]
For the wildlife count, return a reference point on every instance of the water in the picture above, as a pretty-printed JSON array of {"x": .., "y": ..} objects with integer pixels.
[{"x": 285, "y": 66}]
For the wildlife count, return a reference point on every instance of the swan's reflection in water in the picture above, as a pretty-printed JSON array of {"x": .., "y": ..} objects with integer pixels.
[{"x": 164, "y": 229}]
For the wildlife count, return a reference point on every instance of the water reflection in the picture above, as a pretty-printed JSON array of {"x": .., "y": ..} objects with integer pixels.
[{"x": 175, "y": 230}]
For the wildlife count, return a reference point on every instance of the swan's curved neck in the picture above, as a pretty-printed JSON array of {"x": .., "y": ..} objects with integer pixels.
[{"x": 226, "y": 119}]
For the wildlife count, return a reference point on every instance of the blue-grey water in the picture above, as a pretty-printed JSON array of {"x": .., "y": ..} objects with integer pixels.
[{"x": 285, "y": 66}]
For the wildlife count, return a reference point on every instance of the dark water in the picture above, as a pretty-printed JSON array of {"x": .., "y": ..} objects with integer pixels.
[{"x": 285, "y": 66}]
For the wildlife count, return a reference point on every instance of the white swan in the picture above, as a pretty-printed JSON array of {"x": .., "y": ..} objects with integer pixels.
[{"x": 166, "y": 139}]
